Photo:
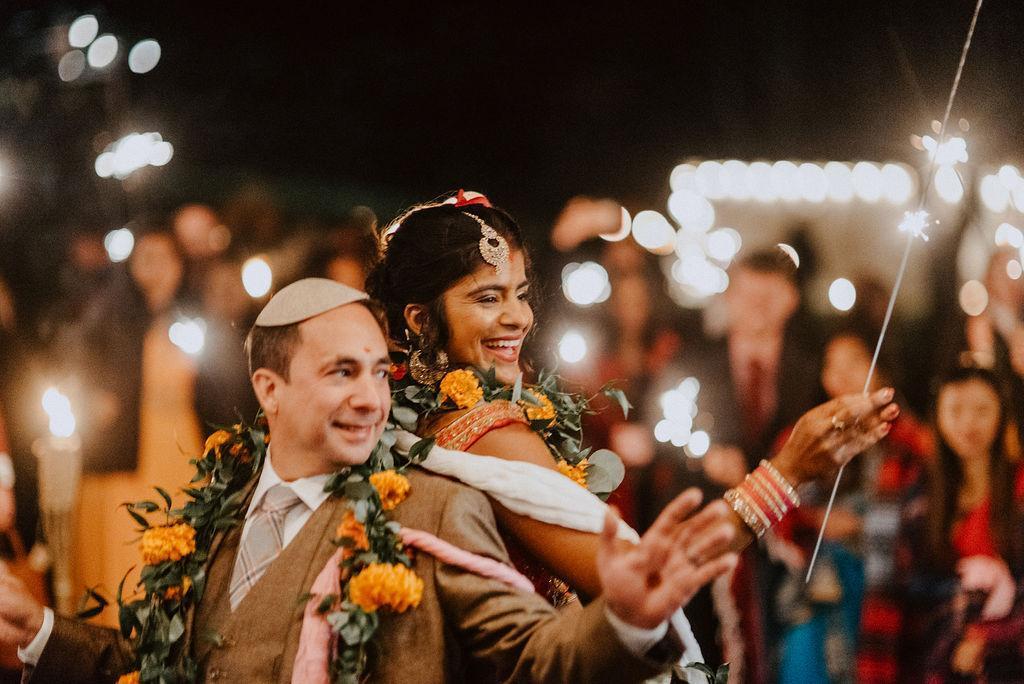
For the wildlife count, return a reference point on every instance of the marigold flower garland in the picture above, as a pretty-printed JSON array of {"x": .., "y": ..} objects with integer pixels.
[
  {"x": 555, "y": 415},
  {"x": 376, "y": 572}
]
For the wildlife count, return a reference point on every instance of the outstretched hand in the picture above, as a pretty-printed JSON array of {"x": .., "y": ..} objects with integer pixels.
[
  {"x": 21, "y": 616},
  {"x": 646, "y": 583},
  {"x": 829, "y": 435}
]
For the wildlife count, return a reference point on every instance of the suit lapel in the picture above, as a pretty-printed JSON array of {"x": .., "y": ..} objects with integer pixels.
[
  {"x": 315, "y": 550},
  {"x": 215, "y": 545}
]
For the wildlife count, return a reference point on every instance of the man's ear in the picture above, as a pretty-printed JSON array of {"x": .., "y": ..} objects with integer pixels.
[
  {"x": 267, "y": 386},
  {"x": 415, "y": 317}
]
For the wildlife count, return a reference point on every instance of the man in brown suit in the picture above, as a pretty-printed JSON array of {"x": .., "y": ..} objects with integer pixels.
[{"x": 320, "y": 371}]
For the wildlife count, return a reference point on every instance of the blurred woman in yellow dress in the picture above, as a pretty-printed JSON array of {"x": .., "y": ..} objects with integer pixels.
[{"x": 141, "y": 427}]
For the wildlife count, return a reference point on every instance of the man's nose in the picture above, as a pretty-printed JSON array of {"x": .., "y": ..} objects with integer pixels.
[{"x": 366, "y": 395}]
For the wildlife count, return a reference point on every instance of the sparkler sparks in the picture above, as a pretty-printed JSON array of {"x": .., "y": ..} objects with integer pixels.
[{"x": 914, "y": 222}]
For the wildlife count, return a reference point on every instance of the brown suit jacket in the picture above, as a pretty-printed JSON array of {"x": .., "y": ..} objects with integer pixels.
[{"x": 467, "y": 628}]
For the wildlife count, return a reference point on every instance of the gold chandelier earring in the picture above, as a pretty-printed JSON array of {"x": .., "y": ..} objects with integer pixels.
[{"x": 427, "y": 365}]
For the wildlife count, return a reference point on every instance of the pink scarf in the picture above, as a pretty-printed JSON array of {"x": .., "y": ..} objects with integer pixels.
[{"x": 316, "y": 639}]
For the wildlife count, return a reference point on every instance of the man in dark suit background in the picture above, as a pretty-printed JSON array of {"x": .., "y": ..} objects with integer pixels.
[{"x": 755, "y": 381}]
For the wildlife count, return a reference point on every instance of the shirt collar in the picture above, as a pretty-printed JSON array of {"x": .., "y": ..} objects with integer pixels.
[{"x": 309, "y": 489}]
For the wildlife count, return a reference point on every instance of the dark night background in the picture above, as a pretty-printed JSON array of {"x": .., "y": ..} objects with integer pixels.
[{"x": 387, "y": 104}]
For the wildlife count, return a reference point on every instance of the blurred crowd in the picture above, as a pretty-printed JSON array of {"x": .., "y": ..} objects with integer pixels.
[{"x": 922, "y": 566}]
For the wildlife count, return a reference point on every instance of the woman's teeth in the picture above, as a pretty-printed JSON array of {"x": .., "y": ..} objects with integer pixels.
[{"x": 503, "y": 344}]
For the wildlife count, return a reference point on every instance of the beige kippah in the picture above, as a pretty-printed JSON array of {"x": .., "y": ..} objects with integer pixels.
[{"x": 306, "y": 298}]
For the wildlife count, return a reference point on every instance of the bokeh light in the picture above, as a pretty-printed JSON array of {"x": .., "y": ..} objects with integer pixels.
[
  {"x": 785, "y": 180},
  {"x": 1009, "y": 236},
  {"x": 585, "y": 284},
  {"x": 897, "y": 184},
  {"x": 842, "y": 295},
  {"x": 973, "y": 298},
  {"x": 58, "y": 409},
  {"x": 623, "y": 232},
  {"x": 840, "y": 181},
  {"x": 867, "y": 181},
  {"x": 759, "y": 181},
  {"x": 71, "y": 66},
  {"x": 189, "y": 335},
  {"x": 994, "y": 194},
  {"x": 948, "y": 184},
  {"x": 692, "y": 211},
  {"x": 699, "y": 444},
  {"x": 724, "y": 244},
  {"x": 131, "y": 153},
  {"x": 813, "y": 183},
  {"x": 102, "y": 51},
  {"x": 144, "y": 56},
  {"x": 653, "y": 232},
  {"x": 683, "y": 177},
  {"x": 1014, "y": 270},
  {"x": 257, "y": 277},
  {"x": 572, "y": 348},
  {"x": 83, "y": 31},
  {"x": 119, "y": 244}
]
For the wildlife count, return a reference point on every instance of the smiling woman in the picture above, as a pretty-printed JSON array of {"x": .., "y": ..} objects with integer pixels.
[{"x": 454, "y": 280}]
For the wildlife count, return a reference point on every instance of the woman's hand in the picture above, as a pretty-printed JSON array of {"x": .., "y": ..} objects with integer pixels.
[
  {"x": 992, "y": 576},
  {"x": 829, "y": 435}
]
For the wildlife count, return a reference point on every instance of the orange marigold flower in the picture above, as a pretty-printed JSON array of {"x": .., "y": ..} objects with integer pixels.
[
  {"x": 386, "y": 585},
  {"x": 546, "y": 410},
  {"x": 462, "y": 387},
  {"x": 167, "y": 543},
  {"x": 215, "y": 441},
  {"x": 130, "y": 678},
  {"x": 350, "y": 528},
  {"x": 392, "y": 487},
  {"x": 239, "y": 451},
  {"x": 174, "y": 593},
  {"x": 577, "y": 473}
]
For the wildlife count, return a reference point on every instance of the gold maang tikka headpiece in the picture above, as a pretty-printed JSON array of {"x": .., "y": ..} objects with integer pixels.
[{"x": 493, "y": 247}]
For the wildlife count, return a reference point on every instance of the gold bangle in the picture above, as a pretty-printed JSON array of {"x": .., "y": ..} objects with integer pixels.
[{"x": 747, "y": 514}]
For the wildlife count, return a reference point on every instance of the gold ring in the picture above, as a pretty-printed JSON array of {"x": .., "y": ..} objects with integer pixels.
[{"x": 837, "y": 424}]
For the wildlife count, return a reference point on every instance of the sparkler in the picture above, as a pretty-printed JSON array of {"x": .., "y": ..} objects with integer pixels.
[{"x": 913, "y": 224}]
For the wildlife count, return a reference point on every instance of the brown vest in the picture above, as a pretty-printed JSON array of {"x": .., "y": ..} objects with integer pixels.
[{"x": 258, "y": 641}]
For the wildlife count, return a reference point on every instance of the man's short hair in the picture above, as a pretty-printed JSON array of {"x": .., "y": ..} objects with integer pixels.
[
  {"x": 272, "y": 347},
  {"x": 770, "y": 261}
]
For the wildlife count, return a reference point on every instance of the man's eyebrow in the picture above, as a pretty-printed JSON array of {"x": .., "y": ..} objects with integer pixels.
[{"x": 340, "y": 360}]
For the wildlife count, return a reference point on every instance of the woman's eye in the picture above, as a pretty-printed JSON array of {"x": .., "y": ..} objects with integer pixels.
[
  {"x": 489, "y": 299},
  {"x": 524, "y": 296}
]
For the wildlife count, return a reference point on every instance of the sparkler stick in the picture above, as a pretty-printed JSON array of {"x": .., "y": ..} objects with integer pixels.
[{"x": 913, "y": 224}]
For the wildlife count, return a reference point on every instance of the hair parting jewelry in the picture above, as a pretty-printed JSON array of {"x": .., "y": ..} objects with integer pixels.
[{"x": 493, "y": 247}]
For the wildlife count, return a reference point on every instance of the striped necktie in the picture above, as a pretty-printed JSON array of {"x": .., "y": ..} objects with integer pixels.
[{"x": 263, "y": 540}]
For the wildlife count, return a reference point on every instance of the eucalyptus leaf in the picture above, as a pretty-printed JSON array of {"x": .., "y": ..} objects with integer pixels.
[
  {"x": 358, "y": 490},
  {"x": 176, "y": 629},
  {"x": 619, "y": 396},
  {"x": 605, "y": 472},
  {"x": 406, "y": 417},
  {"x": 164, "y": 495}
]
